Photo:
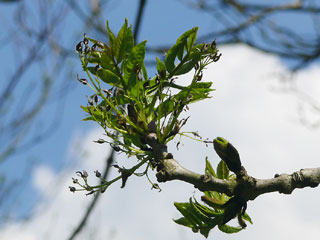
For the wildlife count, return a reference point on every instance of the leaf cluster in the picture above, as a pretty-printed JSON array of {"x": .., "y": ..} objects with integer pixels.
[
  {"x": 218, "y": 209},
  {"x": 126, "y": 102}
]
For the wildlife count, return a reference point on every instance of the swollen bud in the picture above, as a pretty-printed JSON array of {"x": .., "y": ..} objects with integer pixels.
[{"x": 228, "y": 153}]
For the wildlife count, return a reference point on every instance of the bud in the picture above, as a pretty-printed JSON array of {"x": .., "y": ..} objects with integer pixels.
[
  {"x": 82, "y": 80},
  {"x": 95, "y": 98},
  {"x": 213, "y": 44},
  {"x": 85, "y": 39},
  {"x": 79, "y": 47},
  {"x": 98, "y": 174},
  {"x": 228, "y": 153},
  {"x": 72, "y": 189}
]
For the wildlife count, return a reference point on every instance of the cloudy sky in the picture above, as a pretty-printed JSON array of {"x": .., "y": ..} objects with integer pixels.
[{"x": 254, "y": 108}]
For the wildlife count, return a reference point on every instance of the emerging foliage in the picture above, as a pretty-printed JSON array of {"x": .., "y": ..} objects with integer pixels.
[{"x": 130, "y": 106}]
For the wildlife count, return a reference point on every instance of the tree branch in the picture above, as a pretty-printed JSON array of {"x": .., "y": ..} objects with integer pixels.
[{"x": 245, "y": 186}]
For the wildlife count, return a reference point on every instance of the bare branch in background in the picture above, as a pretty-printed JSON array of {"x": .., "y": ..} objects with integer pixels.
[{"x": 94, "y": 201}]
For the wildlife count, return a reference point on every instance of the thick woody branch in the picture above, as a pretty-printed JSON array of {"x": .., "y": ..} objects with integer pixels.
[
  {"x": 245, "y": 187},
  {"x": 285, "y": 183}
]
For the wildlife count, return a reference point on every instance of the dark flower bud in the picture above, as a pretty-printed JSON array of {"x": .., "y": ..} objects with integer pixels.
[
  {"x": 85, "y": 39},
  {"x": 72, "y": 189},
  {"x": 213, "y": 44},
  {"x": 204, "y": 48},
  {"x": 79, "y": 47},
  {"x": 216, "y": 57},
  {"x": 94, "y": 47},
  {"x": 95, "y": 98},
  {"x": 100, "y": 141},
  {"x": 92, "y": 192},
  {"x": 115, "y": 147},
  {"x": 98, "y": 174},
  {"x": 82, "y": 80},
  {"x": 156, "y": 186},
  {"x": 132, "y": 113},
  {"x": 90, "y": 101},
  {"x": 85, "y": 173},
  {"x": 152, "y": 127},
  {"x": 169, "y": 156},
  {"x": 75, "y": 181},
  {"x": 87, "y": 49},
  {"x": 146, "y": 84}
]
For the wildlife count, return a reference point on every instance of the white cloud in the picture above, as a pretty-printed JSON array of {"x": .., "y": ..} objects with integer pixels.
[{"x": 263, "y": 125}]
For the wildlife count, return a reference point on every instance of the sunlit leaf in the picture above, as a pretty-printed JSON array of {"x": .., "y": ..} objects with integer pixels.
[
  {"x": 209, "y": 169},
  {"x": 109, "y": 77},
  {"x": 124, "y": 42},
  {"x": 229, "y": 229},
  {"x": 246, "y": 217},
  {"x": 222, "y": 170}
]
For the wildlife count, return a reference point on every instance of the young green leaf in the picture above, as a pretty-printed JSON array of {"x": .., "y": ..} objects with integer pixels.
[
  {"x": 161, "y": 68},
  {"x": 124, "y": 41},
  {"x": 229, "y": 229},
  {"x": 192, "y": 38},
  {"x": 246, "y": 217},
  {"x": 112, "y": 41},
  {"x": 171, "y": 56},
  {"x": 109, "y": 77},
  {"x": 209, "y": 169},
  {"x": 133, "y": 64},
  {"x": 222, "y": 170}
]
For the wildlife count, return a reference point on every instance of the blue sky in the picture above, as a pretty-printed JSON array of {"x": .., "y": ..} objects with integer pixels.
[{"x": 162, "y": 23}]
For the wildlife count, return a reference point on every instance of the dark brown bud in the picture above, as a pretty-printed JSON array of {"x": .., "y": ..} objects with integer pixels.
[
  {"x": 98, "y": 174},
  {"x": 90, "y": 101},
  {"x": 87, "y": 49},
  {"x": 79, "y": 47},
  {"x": 85, "y": 39},
  {"x": 213, "y": 44},
  {"x": 75, "y": 181},
  {"x": 95, "y": 98},
  {"x": 72, "y": 189},
  {"x": 204, "y": 48},
  {"x": 82, "y": 80},
  {"x": 100, "y": 141},
  {"x": 85, "y": 173},
  {"x": 116, "y": 148}
]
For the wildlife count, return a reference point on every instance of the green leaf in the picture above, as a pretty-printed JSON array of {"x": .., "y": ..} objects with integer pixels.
[
  {"x": 209, "y": 169},
  {"x": 186, "y": 67},
  {"x": 209, "y": 212},
  {"x": 171, "y": 56},
  {"x": 124, "y": 41},
  {"x": 192, "y": 38},
  {"x": 132, "y": 66},
  {"x": 112, "y": 41},
  {"x": 246, "y": 217},
  {"x": 199, "y": 213},
  {"x": 229, "y": 229},
  {"x": 161, "y": 68},
  {"x": 215, "y": 203},
  {"x": 184, "y": 222},
  {"x": 222, "y": 170},
  {"x": 109, "y": 77},
  {"x": 176, "y": 51},
  {"x": 186, "y": 210}
]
